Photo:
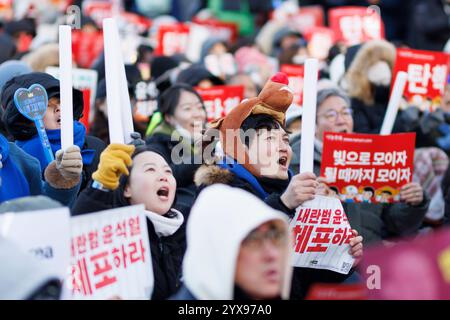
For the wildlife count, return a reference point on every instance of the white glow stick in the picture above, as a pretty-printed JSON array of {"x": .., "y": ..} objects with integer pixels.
[
  {"x": 112, "y": 82},
  {"x": 394, "y": 103},
  {"x": 65, "y": 79},
  {"x": 125, "y": 104},
  {"x": 309, "y": 115}
]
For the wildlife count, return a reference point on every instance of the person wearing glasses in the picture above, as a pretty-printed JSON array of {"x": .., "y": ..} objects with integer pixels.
[
  {"x": 376, "y": 222},
  {"x": 238, "y": 251}
]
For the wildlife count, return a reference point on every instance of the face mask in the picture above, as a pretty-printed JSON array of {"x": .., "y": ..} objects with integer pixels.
[
  {"x": 380, "y": 74},
  {"x": 299, "y": 59}
]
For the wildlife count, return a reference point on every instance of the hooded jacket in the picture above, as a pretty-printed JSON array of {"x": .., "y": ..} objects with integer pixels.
[{"x": 220, "y": 220}]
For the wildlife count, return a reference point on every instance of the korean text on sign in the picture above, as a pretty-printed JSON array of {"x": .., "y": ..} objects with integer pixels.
[
  {"x": 367, "y": 168},
  {"x": 322, "y": 235},
  {"x": 111, "y": 255}
]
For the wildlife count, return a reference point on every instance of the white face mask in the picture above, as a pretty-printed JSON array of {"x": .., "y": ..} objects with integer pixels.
[
  {"x": 299, "y": 59},
  {"x": 380, "y": 73}
]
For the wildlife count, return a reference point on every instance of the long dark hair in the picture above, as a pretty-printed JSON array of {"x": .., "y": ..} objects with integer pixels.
[{"x": 169, "y": 99}]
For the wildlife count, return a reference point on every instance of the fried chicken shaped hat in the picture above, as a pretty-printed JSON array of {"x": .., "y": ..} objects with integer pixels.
[{"x": 274, "y": 99}]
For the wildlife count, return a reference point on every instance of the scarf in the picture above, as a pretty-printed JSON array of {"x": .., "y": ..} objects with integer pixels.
[
  {"x": 34, "y": 147},
  {"x": 263, "y": 186},
  {"x": 165, "y": 226},
  {"x": 13, "y": 183}
]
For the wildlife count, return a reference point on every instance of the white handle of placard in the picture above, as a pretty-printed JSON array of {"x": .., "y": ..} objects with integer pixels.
[
  {"x": 309, "y": 115},
  {"x": 394, "y": 103},
  {"x": 65, "y": 78},
  {"x": 112, "y": 82}
]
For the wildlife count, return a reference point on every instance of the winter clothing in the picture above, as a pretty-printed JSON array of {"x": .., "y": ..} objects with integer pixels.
[
  {"x": 183, "y": 168},
  {"x": 24, "y": 165},
  {"x": 368, "y": 99},
  {"x": 24, "y": 131},
  {"x": 113, "y": 163},
  {"x": 194, "y": 74},
  {"x": 167, "y": 242},
  {"x": 210, "y": 262}
]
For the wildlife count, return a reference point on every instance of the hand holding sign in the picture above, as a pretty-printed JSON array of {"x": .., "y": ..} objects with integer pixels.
[
  {"x": 301, "y": 188},
  {"x": 32, "y": 103}
]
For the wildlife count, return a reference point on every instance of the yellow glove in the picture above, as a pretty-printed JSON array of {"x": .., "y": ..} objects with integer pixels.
[{"x": 114, "y": 161}]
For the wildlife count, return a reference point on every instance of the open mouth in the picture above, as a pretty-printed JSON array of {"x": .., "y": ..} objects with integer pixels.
[
  {"x": 163, "y": 193},
  {"x": 283, "y": 161},
  {"x": 58, "y": 121}
]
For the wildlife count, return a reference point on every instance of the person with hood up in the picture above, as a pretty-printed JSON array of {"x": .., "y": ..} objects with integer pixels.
[
  {"x": 237, "y": 248},
  {"x": 24, "y": 132},
  {"x": 256, "y": 158},
  {"x": 368, "y": 81},
  {"x": 128, "y": 176}
]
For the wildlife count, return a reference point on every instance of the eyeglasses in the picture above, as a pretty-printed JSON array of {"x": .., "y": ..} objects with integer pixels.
[
  {"x": 331, "y": 115},
  {"x": 255, "y": 240}
]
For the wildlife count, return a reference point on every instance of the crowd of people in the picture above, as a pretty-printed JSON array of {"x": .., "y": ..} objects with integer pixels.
[{"x": 212, "y": 201}]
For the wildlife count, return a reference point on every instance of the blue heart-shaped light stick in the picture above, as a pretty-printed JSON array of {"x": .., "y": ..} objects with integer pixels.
[{"x": 32, "y": 103}]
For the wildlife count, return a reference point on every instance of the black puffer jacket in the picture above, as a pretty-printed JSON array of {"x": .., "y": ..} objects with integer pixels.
[{"x": 167, "y": 252}]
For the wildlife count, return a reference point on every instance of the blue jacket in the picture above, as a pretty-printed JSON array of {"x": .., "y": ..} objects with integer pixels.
[{"x": 31, "y": 169}]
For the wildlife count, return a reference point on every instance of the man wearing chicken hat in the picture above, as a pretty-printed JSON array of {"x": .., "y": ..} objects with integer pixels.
[{"x": 256, "y": 158}]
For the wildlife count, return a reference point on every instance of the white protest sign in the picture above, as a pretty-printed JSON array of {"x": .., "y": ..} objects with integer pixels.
[
  {"x": 65, "y": 63},
  {"x": 394, "y": 103},
  {"x": 44, "y": 234},
  {"x": 110, "y": 255},
  {"x": 113, "y": 91},
  {"x": 309, "y": 115},
  {"x": 322, "y": 235}
]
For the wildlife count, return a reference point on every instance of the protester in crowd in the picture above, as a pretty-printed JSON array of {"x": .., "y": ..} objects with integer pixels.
[
  {"x": 183, "y": 120},
  {"x": 429, "y": 27},
  {"x": 24, "y": 132},
  {"x": 21, "y": 174},
  {"x": 247, "y": 260},
  {"x": 198, "y": 76},
  {"x": 257, "y": 159},
  {"x": 368, "y": 83},
  {"x": 375, "y": 222},
  {"x": 250, "y": 89},
  {"x": 128, "y": 176}
]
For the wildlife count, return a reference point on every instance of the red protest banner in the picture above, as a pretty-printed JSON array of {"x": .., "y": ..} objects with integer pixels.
[
  {"x": 295, "y": 75},
  {"x": 354, "y": 25},
  {"x": 307, "y": 17},
  {"x": 320, "y": 40},
  {"x": 86, "y": 47},
  {"x": 427, "y": 76},
  {"x": 418, "y": 269},
  {"x": 219, "y": 100},
  {"x": 322, "y": 291},
  {"x": 172, "y": 39},
  {"x": 367, "y": 167},
  {"x": 220, "y": 29},
  {"x": 6, "y": 9}
]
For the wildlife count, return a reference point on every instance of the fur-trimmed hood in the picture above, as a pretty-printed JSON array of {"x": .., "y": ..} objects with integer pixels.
[
  {"x": 208, "y": 175},
  {"x": 370, "y": 53}
]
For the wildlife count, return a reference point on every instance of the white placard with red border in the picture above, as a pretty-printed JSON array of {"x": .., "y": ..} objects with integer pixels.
[
  {"x": 322, "y": 235},
  {"x": 110, "y": 255}
]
